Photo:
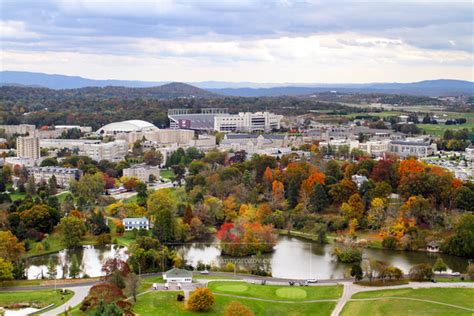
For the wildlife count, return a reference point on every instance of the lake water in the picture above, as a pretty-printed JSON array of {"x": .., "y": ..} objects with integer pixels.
[
  {"x": 293, "y": 258},
  {"x": 89, "y": 257},
  {"x": 301, "y": 259}
]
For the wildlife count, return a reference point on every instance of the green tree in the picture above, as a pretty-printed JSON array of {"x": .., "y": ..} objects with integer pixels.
[
  {"x": 356, "y": 272},
  {"x": 52, "y": 269},
  {"x": 6, "y": 270},
  {"x": 75, "y": 268},
  {"x": 439, "y": 265},
  {"x": 52, "y": 187},
  {"x": 88, "y": 189},
  {"x": 319, "y": 200},
  {"x": 31, "y": 186},
  {"x": 179, "y": 171},
  {"x": 72, "y": 229},
  {"x": 462, "y": 243}
]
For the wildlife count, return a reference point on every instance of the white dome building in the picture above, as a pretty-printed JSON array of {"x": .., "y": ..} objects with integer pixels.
[{"x": 127, "y": 127}]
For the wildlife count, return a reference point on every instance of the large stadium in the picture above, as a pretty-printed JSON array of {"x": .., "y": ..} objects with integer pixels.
[{"x": 127, "y": 127}]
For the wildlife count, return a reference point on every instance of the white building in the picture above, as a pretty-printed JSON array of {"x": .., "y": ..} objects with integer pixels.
[
  {"x": 413, "y": 147},
  {"x": 28, "y": 147},
  {"x": 136, "y": 223},
  {"x": 95, "y": 149},
  {"x": 247, "y": 122},
  {"x": 21, "y": 129},
  {"x": 374, "y": 147},
  {"x": 178, "y": 276},
  {"x": 126, "y": 127},
  {"x": 251, "y": 143},
  {"x": 142, "y": 172},
  {"x": 63, "y": 175},
  {"x": 470, "y": 153}
]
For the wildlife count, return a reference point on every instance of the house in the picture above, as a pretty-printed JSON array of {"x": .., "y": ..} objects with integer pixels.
[
  {"x": 178, "y": 275},
  {"x": 136, "y": 223},
  {"x": 359, "y": 180},
  {"x": 432, "y": 246}
]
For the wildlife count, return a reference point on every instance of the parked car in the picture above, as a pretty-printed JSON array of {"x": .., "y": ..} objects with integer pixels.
[
  {"x": 455, "y": 273},
  {"x": 204, "y": 272},
  {"x": 312, "y": 281},
  {"x": 291, "y": 283}
]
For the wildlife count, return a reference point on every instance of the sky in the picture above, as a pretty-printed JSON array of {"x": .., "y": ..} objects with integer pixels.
[{"x": 279, "y": 41}]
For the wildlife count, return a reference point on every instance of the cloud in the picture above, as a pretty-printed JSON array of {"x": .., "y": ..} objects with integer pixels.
[{"x": 319, "y": 34}]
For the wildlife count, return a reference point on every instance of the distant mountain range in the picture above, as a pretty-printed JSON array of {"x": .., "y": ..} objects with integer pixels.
[{"x": 432, "y": 88}]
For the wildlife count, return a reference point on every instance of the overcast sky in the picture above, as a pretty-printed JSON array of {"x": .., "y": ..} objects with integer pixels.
[{"x": 242, "y": 40}]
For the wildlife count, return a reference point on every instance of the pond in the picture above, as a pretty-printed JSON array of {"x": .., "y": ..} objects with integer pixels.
[
  {"x": 90, "y": 259},
  {"x": 302, "y": 259}
]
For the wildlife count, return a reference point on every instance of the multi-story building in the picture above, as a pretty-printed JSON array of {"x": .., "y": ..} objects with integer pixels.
[
  {"x": 22, "y": 129},
  {"x": 95, "y": 149},
  {"x": 28, "y": 147},
  {"x": 252, "y": 142},
  {"x": 136, "y": 223},
  {"x": 247, "y": 122},
  {"x": 416, "y": 147},
  {"x": 63, "y": 175},
  {"x": 142, "y": 171}
]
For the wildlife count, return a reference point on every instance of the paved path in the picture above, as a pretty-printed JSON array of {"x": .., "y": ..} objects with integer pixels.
[
  {"x": 80, "y": 292},
  {"x": 351, "y": 289}
]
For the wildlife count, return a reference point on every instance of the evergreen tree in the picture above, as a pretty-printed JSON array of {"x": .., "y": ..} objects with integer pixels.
[
  {"x": 52, "y": 270},
  {"x": 52, "y": 188},
  {"x": 439, "y": 265},
  {"x": 74, "y": 269},
  {"x": 319, "y": 199}
]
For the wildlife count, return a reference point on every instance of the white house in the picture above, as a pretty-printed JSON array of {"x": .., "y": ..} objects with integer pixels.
[
  {"x": 136, "y": 223},
  {"x": 178, "y": 275}
]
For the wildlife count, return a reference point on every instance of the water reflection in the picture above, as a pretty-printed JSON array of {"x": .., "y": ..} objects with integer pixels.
[
  {"x": 300, "y": 259},
  {"x": 90, "y": 259}
]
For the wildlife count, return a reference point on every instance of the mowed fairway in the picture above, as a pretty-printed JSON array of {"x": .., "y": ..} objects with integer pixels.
[
  {"x": 277, "y": 292},
  {"x": 165, "y": 303},
  {"x": 412, "y": 302}
]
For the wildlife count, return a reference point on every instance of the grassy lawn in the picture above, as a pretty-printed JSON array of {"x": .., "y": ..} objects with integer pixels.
[
  {"x": 62, "y": 196},
  {"x": 166, "y": 174},
  {"x": 126, "y": 239},
  {"x": 165, "y": 303},
  {"x": 277, "y": 292},
  {"x": 56, "y": 245},
  {"x": 455, "y": 296},
  {"x": 37, "y": 299},
  {"x": 17, "y": 196},
  {"x": 20, "y": 283},
  {"x": 396, "y": 307}
]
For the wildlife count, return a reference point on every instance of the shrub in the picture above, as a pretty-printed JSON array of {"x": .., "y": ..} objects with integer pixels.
[
  {"x": 104, "y": 239},
  {"x": 106, "y": 292},
  {"x": 237, "y": 309},
  {"x": 201, "y": 299},
  {"x": 347, "y": 254},
  {"x": 389, "y": 242},
  {"x": 180, "y": 297},
  {"x": 229, "y": 267},
  {"x": 421, "y": 272}
]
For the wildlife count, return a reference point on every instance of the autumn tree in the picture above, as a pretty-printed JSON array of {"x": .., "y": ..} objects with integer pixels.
[
  {"x": 235, "y": 308},
  {"x": 278, "y": 195},
  {"x": 201, "y": 300},
  {"x": 376, "y": 214},
  {"x": 153, "y": 157},
  {"x": 354, "y": 208},
  {"x": 10, "y": 248}
]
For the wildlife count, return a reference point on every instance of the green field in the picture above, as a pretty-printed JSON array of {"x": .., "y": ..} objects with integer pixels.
[
  {"x": 165, "y": 303},
  {"x": 396, "y": 304},
  {"x": 37, "y": 299},
  {"x": 276, "y": 292},
  {"x": 166, "y": 174}
]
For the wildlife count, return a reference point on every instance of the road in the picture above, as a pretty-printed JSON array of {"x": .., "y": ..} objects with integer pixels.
[
  {"x": 81, "y": 289},
  {"x": 80, "y": 292}
]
